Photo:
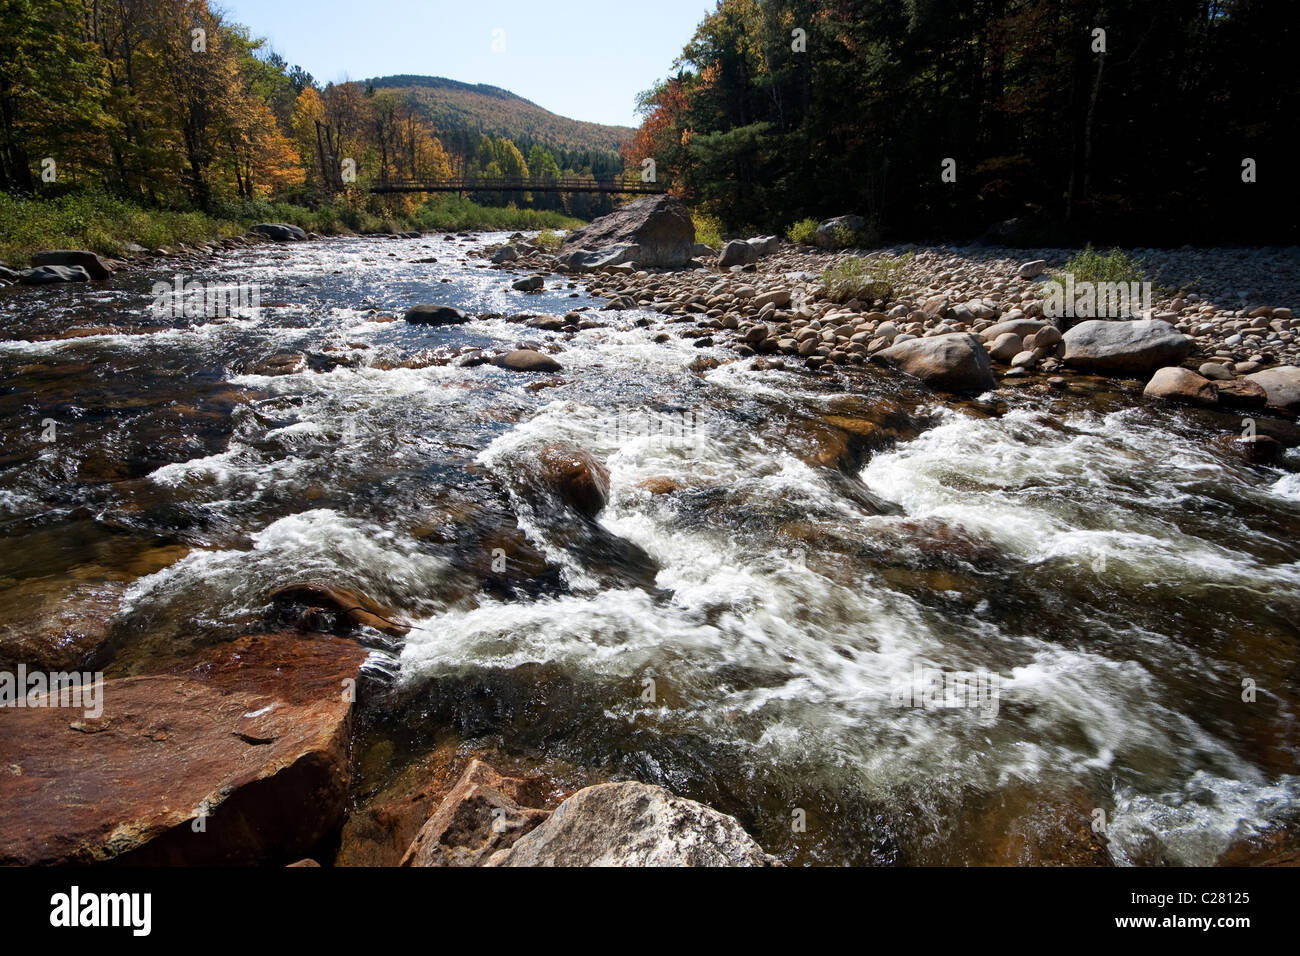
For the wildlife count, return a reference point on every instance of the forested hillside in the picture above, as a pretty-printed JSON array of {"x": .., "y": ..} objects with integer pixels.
[
  {"x": 1107, "y": 119},
  {"x": 166, "y": 103}
]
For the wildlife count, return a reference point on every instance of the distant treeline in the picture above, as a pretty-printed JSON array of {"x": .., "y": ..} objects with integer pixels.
[
  {"x": 1131, "y": 121},
  {"x": 166, "y": 103}
]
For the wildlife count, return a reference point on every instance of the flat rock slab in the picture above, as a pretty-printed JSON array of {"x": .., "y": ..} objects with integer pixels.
[
  {"x": 253, "y": 734},
  {"x": 660, "y": 225},
  {"x": 633, "y": 824}
]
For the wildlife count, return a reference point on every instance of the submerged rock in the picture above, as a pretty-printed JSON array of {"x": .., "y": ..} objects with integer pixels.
[
  {"x": 634, "y": 824},
  {"x": 318, "y": 606}
]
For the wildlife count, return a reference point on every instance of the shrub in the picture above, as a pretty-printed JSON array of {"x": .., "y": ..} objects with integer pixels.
[
  {"x": 802, "y": 231},
  {"x": 872, "y": 278},
  {"x": 548, "y": 240},
  {"x": 1092, "y": 266},
  {"x": 708, "y": 229}
]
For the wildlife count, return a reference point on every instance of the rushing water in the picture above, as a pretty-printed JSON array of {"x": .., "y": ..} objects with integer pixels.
[{"x": 738, "y": 623}]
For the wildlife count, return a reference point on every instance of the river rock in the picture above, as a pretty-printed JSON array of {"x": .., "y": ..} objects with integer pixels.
[
  {"x": 484, "y": 813},
  {"x": 1032, "y": 269},
  {"x": 47, "y": 275},
  {"x": 1136, "y": 347},
  {"x": 95, "y": 267},
  {"x": 581, "y": 260},
  {"x": 828, "y": 234},
  {"x": 954, "y": 362},
  {"x": 1241, "y": 393},
  {"x": 527, "y": 360},
  {"x": 1021, "y": 327},
  {"x": 737, "y": 252},
  {"x": 1281, "y": 385},
  {"x": 436, "y": 315},
  {"x": 506, "y": 253},
  {"x": 660, "y": 226},
  {"x": 279, "y": 231},
  {"x": 575, "y": 476},
  {"x": 55, "y": 624},
  {"x": 250, "y": 738},
  {"x": 633, "y": 824},
  {"x": 766, "y": 245},
  {"x": 1005, "y": 347},
  {"x": 326, "y": 608},
  {"x": 528, "y": 284},
  {"x": 1181, "y": 385}
]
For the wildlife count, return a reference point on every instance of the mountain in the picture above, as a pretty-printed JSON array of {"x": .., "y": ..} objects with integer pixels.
[{"x": 452, "y": 106}]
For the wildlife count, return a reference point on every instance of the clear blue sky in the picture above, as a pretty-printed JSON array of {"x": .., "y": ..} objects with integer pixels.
[{"x": 585, "y": 59}]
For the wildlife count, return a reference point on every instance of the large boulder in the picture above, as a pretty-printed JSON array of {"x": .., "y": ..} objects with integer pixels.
[
  {"x": 660, "y": 225},
  {"x": 837, "y": 232},
  {"x": 633, "y": 824},
  {"x": 279, "y": 231},
  {"x": 1281, "y": 385},
  {"x": 238, "y": 757},
  {"x": 436, "y": 315},
  {"x": 955, "y": 362},
  {"x": 1182, "y": 386},
  {"x": 1137, "y": 347},
  {"x": 484, "y": 813},
  {"x": 95, "y": 267},
  {"x": 737, "y": 252}
]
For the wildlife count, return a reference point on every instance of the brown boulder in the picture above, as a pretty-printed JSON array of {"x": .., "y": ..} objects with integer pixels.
[
  {"x": 576, "y": 476},
  {"x": 51, "y": 625},
  {"x": 238, "y": 757},
  {"x": 955, "y": 362},
  {"x": 1182, "y": 386}
]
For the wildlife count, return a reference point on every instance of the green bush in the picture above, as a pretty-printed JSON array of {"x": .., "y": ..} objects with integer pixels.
[
  {"x": 1092, "y": 266},
  {"x": 708, "y": 229},
  {"x": 869, "y": 279},
  {"x": 802, "y": 231},
  {"x": 548, "y": 240}
]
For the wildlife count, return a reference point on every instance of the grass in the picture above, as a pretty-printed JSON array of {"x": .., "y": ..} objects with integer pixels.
[
  {"x": 1092, "y": 266},
  {"x": 548, "y": 240},
  {"x": 875, "y": 278},
  {"x": 105, "y": 225}
]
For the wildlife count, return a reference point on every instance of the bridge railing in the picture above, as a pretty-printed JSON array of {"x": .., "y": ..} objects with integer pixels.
[{"x": 516, "y": 184}]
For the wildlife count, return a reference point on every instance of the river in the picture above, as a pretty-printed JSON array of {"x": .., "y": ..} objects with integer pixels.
[{"x": 742, "y": 624}]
